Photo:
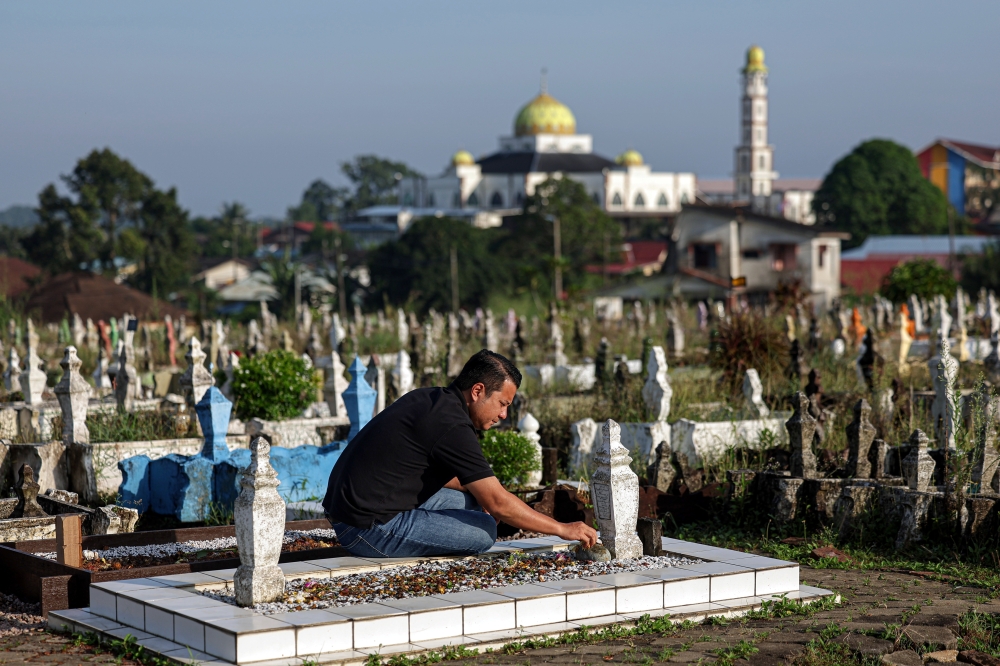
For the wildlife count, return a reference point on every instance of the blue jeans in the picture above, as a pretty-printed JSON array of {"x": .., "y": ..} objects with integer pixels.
[{"x": 450, "y": 522}]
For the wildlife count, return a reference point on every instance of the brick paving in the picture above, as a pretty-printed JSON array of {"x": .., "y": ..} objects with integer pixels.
[{"x": 871, "y": 600}]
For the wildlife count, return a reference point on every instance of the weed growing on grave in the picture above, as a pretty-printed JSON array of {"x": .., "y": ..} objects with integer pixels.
[
  {"x": 123, "y": 648},
  {"x": 742, "y": 650},
  {"x": 784, "y": 607},
  {"x": 449, "y": 653},
  {"x": 511, "y": 456},
  {"x": 980, "y": 631}
]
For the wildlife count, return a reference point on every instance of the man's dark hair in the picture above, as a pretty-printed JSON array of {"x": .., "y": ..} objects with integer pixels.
[{"x": 489, "y": 368}]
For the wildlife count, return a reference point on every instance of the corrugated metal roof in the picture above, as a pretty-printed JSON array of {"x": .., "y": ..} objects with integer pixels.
[{"x": 875, "y": 246}]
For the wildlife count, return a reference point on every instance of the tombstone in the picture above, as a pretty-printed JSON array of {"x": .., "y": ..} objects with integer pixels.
[
  {"x": 815, "y": 336},
  {"x": 869, "y": 363},
  {"x": 795, "y": 363},
  {"x": 638, "y": 318},
  {"x": 402, "y": 374},
  {"x": 259, "y": 514},
  {"x": 702, "y": 316},
  {"x": 214, "y": 411},
  {"x": 856, "y": 329},
  {"x": 196, "y": 379},
  {"x": 991, "y": 364},
  {"x": 168, "y": 325},
  {"x": 838, "y": 347},
  {"x": 657, "y": 392},
  {"x": 335, "y": 385},
  {"x": 790, "y": 328},
  {"x": 92, "y": 338},
  {"x": 489, "y": 332},
  {"x": 941, "y": 321},
  {"x": 232, "y": 365},
  {"x": 581, "y": 335},
  {"x": 801, "y": 429},
  {"x": 148, "y": 364},
  {"x": 603, "y": 364},
  {"x": 33, "y": 378},
  {"x": 662, "y": 472},
  {"x": 860, "y": 433},
  {"x": 905, "y": 341},
  {"x": 127, "y": 386},
  {"x": 359, "y": 398},
  {"x": 623, "y": 376},
  {"x": 79, "y": 332},
  {"x": 268, "y": 321},
  {"x": 453, "y": 362},
  {"x": 73, "y": 393},
  {"x": 992, "y": 314},
  {"x": 12, "y": 375},
  {"x": 752, "y": 395},
  {"x": 338, "y": 334},
  {"x": 918, "y": 466},
  {"x": 916, "y": 313},
  {"x": 876, "y": 458},
  {"x": 375, "y": 376},
  {"x": 986, "y": 460},
  {"x": 556, "y": 341},
  {"x": 615, "y": 494},
  {"x": 315, "y": 345},
  {"x": 675, "y": 335},
  {"x": 26, "y": 490},
  {"x": 287, "y": 343},
  {"x": 878, "y": 310},
  {"x": 304, "y": 320},
  {"x": 100, "y": 374},
  {"x": 429, "y": 350},
  {"x": 255, "y": 339},
  {"x": 528, "y": 426},
  {"x": 944, "y": 374}
]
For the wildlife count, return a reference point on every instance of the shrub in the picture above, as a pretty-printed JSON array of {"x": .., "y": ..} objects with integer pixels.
[
  {"x": 748, "y": 340},
  {"x": 272, "y": 386},
  {"x": 924, "y": 277},
  {"x": 511, "y": 456}
]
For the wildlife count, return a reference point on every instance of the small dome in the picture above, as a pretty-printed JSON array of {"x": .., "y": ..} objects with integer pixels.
[
  {"x": 462, "y": 158},
  {"x": 544, "y": 115},
  {"x": 755, "y": 60},
  {"x": 629, "y": 158}
]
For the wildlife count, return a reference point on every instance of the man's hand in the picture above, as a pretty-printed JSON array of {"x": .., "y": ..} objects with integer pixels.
[
  {"x": 582, "y": 532},
  {"x": 504, "y": 506}
]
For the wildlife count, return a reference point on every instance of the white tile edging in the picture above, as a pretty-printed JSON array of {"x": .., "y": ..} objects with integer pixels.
[{"x": 728, "y": 582}]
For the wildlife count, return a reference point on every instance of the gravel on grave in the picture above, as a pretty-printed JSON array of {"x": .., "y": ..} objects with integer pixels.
[
  {"x": 440, "y": 577},
  {"x": 126, "y": 557},
  {"x": 19, "y": 617}
]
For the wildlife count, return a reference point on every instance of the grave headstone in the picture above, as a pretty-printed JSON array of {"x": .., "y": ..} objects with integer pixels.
[
  {"x": 702, "y": 316},
  {"x": 79, "y": 333},
  {"x": 801, "y": 428},
  {"x": 259, "y": 514},
  {"x": 12, "y": 375},
  {"x": 453, "y": 361},
  {"x": 675, "y": 334},
  {"x": 196, "y": 379},
  {"x": 168, "y": 323},
  {"x": 604, "y": 363},
  {"x": 528, "y": 426},
  {"x": 991, "y": 364},
  {"x": 869, "y": 363},
  {"x": 916, "y": 313},
  {"x": 615, "y": 494},
  {"x": 944, "y": 375},
  {"x": 26, "y": 490},
  {"x": 335, "y": 385},
  {"x": 231, "y": 366},
  {"x": 214, "y": 411},
  {"x": 876, "y": 458},
  {"x": 790, "y": 328},
  {"x": 918, "y": 466},
  {"x": 93, "y": 338},
  {"x": 33, "y": 377},
  {"x": 985, "y": 472},
  {"x": 73, "y": 393},
  {"x": 657, "y": 392},
  {"x": 650, "y": 531},
  {"x": 860, "y": 433},
  {"x": 315, "y": 345},
  {"x": 375, "y": 376},
  {"x": 752, "y": 395},
  {"x": 815, "y": 337},
  {"x": 127, "y": 387},
  {"x": 359, "y": 398},
  {"x": 795, "y": 362},
  {"x": 402, "y": 374},
  {"x": 489, "y": 332}
]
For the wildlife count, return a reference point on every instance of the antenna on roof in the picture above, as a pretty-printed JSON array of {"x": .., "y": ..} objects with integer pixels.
[{"x": 545, "y": 80}]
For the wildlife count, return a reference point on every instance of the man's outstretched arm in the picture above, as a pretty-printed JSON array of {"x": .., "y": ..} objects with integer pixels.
[{"x": 507, "y": 507}]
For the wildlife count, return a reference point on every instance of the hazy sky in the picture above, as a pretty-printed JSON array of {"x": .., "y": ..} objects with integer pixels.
[{"x": 251, "y": 101}]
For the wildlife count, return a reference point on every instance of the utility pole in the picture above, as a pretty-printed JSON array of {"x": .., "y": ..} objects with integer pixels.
[
  {"x": 454, "y": 279},
  {"x": 338, "y": 266},
  {"x": 557, "y": 252},
  {"x": 236, "y": 255}
]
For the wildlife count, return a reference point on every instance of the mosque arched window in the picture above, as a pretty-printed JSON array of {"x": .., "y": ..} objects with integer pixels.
[
  {"x": 520, "y": 199},
  {"x": 497, "y": 200},
  {"x": 430, "y": 200},
  {"x": 473, "y": 200},
  {"x": 662, "y": 201},
  {"x": 616, "y": 200},
  {"x": 640, "y": 202},
  {"x": 456, "y": 200},
  {"x": 763, "y": 162}
]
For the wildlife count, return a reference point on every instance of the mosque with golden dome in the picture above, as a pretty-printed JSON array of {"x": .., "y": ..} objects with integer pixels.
[{"x": 545, "y": 143}]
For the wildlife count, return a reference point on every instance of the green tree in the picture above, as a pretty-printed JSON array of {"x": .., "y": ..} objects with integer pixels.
[
  {"x": 416, "y": 268},
  {"x": 161, "y": 244},
  {"x": 924, "y": 277},
  {"x": 321, "y": 202},
  {"x": 585, "y": 230},
  {"x": 374, "y": 179},
  {"x": 216, "y": 235},
  {"x": 66, "y": 236},
  {"x": 878, "y": 190},
  {"x": 272, "y": 386}
]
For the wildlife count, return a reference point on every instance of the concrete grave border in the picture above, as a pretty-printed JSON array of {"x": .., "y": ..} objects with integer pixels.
[{"x": 167, "y": 616}]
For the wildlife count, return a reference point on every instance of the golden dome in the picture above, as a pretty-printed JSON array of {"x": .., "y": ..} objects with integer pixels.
[
  {"x": 629, "y": 158},
  {"x": 462, "y": 158},
  {"x": 755, "y": 60},
  {"x": 544, "y": 115}
]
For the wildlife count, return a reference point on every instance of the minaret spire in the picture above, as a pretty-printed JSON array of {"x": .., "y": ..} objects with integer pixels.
[{"x": 754, "y": 155}]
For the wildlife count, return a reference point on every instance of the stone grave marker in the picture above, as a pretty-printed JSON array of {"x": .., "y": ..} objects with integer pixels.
[
  {"x": 615, "y": 494},
  {"x": 259, "y": 513},
  {"x": 918, "y": 466},
  {"x": 657, "y": 392},
  {"x": 752, "y": 394},
  {"x": 801, "y": 428},
  {"x": 26, "y": 490},
  {"x": 860, "y": 433},
  {"x": 196, "y": 379}
]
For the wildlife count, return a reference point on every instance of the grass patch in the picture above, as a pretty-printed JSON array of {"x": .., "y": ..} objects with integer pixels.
[{"x": 123, "y": 648}]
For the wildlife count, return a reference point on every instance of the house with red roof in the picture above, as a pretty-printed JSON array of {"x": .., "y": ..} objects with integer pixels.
[{"x": 963, "y": 171}]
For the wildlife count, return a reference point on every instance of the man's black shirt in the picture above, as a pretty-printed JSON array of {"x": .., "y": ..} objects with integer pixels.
[{"x": 403, "y": 456}]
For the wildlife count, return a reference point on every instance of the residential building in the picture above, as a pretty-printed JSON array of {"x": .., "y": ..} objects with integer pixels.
[
  {"x": 863, "y": 268},
  {"x": 967, "y": 173}
]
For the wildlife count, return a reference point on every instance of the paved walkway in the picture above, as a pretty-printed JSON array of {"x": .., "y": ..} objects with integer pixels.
[{"x": 921, "y": 609}]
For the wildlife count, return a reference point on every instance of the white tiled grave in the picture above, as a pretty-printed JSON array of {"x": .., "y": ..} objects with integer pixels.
[{"x": 169, "y": 616}]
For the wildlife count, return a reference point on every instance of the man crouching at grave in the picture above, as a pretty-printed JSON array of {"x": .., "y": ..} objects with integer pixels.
[{"x": 414, "y": 481}]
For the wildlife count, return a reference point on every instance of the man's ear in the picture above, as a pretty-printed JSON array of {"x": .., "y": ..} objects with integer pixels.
[{"x": 477, "y": 391}]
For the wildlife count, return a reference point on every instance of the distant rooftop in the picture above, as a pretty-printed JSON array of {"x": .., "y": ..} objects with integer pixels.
[
  {"x": 897, "y": 246},
  {"x": 725, "y": 186}
]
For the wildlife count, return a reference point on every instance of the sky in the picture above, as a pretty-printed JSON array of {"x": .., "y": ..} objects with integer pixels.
[{"x": 251, "y": 101}]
